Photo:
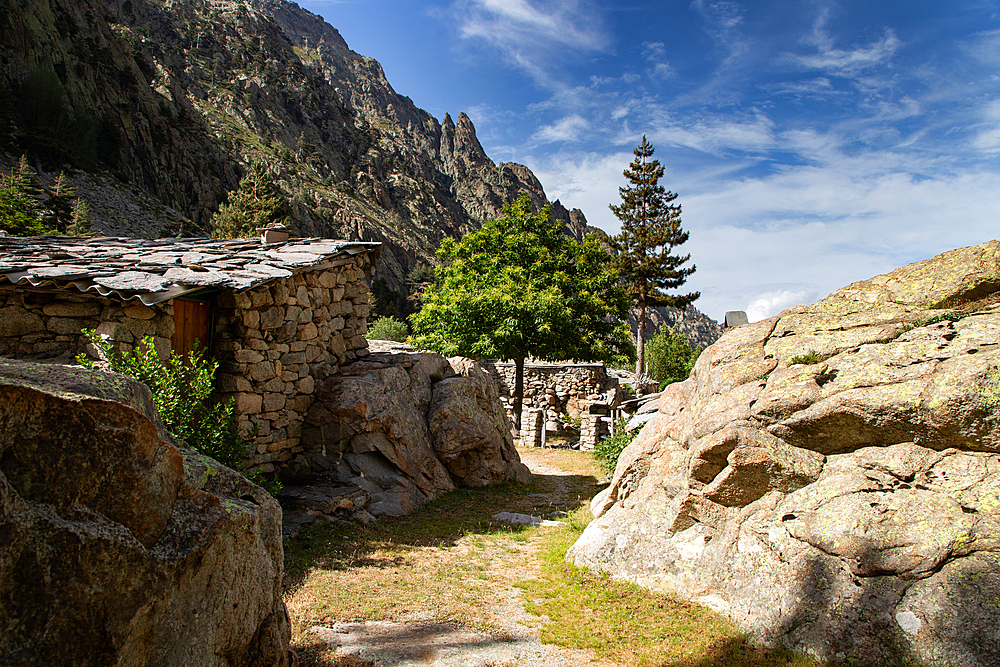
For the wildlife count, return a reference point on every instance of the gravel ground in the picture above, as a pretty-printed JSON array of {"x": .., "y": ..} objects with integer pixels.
[{"x": 513, "y": 637}]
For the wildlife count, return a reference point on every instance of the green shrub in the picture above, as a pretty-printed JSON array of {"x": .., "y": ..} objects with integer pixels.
[
  {"x": 669, "y": 357},
  {"x": 182, "y": 395},
  {"x": 387, "y": 328},
  {"x": 608, "y": 450}
]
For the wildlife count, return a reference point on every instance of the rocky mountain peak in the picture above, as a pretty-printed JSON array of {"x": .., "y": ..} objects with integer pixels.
[{"x": 182, "y": 97}]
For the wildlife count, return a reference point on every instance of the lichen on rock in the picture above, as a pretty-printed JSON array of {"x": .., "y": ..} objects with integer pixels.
[
  {"x": 830, "y": 477},
  {"x": 119, "y": 546}
]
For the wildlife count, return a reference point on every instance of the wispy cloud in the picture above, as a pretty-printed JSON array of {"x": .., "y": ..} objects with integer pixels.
[
  {"x": 723, "y": 20},
  {"x": 533, "y": 34},
  {"x": 568, "y": 128},
  {"x": 844, "y": 62}
]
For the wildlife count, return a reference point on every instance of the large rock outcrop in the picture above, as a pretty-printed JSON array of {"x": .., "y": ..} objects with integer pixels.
[
  {"x": 118, "y": 547},
  {"x": 408, "y": 426},
  {"x": 830, "y": 477}
]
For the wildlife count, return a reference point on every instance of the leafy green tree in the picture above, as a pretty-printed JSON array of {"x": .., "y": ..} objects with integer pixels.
[
  {"x": 517, "y": 287},
  {"x": 181, "y": 389},
  {"x": 256, "y": 203},
  {"x": 651, "y": 229},
  {"x": 670, "y": 357}
]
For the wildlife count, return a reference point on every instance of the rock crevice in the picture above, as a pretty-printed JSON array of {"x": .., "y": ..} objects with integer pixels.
[{"x": 848, "y": 507}]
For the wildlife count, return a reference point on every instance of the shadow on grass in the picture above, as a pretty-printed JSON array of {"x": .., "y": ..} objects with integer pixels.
[{"x": 439, "y": 523}]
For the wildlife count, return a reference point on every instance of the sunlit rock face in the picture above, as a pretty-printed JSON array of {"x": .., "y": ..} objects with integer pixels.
[{"x": 830, "y": 477}]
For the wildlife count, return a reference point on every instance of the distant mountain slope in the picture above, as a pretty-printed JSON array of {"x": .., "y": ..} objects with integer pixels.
[{"x": 177, "y": 97}]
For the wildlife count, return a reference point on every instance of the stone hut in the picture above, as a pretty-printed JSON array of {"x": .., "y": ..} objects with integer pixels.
[{"x": 278, "y": 317}]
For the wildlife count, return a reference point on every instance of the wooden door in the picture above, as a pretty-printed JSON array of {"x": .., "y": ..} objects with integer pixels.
[{"x": 192, "y": 326}]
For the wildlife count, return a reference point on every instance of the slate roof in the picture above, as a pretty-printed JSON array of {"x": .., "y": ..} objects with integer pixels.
[{"x": 161, "y": 269}]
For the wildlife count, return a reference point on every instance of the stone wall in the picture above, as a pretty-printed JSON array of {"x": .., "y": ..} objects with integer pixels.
[
  {"x": 276, "y": 342},
  {"x": 43, "y": 324},
  {"x": 556, "y": 388}
]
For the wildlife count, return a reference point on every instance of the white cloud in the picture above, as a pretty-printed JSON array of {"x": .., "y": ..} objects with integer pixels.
[
  {"x": 987, "y": 139},
  {"x": 771, "y": 303},
  {"x": 840, "y": 61},
  {"x": 569, "y": 128},
  {"x": 533, "y": 34}
]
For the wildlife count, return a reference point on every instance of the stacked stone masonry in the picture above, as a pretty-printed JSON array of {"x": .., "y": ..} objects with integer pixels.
[
  {"x": 552, "y": 390},
  {"x": 275, "y": 342},
  {"x": 45, "y": 324},
  {"x": 561, "y": 389}
]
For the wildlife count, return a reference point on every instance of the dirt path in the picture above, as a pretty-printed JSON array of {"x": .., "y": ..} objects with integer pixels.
[{"x": 477, "y": 571}]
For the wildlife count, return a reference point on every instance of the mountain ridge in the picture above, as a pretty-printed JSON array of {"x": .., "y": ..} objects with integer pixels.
[{"x": 178, "y": 98}]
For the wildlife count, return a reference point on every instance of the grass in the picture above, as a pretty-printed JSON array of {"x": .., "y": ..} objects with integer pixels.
[
  {"x": 811, "y": 357},
  {"x": 450, "y": 562},
  {"x": 629, "y": 625}
]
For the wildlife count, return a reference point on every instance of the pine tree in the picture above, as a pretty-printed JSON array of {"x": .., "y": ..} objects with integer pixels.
[
  {"x": 80, "y": 223},
  {"x": 256, "y": 203},
  {"x": 59, "y": 204},
  {"x": 651, "y": 229},
  {"x": 24, "y": 179}
]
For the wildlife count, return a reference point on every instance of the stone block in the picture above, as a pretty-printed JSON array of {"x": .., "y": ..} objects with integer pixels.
[
  {"x": 261, "y": 371},
  {"x": 273, "y": 402},
  {"x": 251, "y": 319},
  {"x": 261, "y": 297},
  {"x": 337, "y": 294},
  {"x": 231, "y": 384},
  {"x": 139, "y": 311},
  {"x": 305, "y": 385},
  {"x": 294, "y": 358},
  {"x": 248, "y": 404},
  {"x": 298, "y": 345},
  {"x": 248, "y": 356},
  {"x": 67, "y": 325},
  {"x": 16, "y": 321},
  {"x": 72, "y": 309},
  {"x": 272, "y": 318},
  {"x": 307, "y": 332},
  {"x": 274, "y": 385},
  {"x": 165, "y": 326},
  {"x": 258, "y": 345},
  {"x": 302, "y": 296},
  {"x": 279, "y": 293},
  {"x": 327, "y": 279},
  {"x": 313, "y": 352}
]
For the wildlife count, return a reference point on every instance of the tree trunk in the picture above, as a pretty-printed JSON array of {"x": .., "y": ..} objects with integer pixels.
[
  {"x": 518, "y": 391},
  {"x": 640, "y": 340}
]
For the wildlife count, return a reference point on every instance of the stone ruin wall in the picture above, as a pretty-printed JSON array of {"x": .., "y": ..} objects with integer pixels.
[
  {"x": 274, "y": 343},
  {"x": 551, "y": 390},
  {"x": 557, "y": 389}
]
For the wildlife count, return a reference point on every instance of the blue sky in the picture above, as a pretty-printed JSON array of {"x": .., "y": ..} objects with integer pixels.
[{"x": 811, "y": 143}]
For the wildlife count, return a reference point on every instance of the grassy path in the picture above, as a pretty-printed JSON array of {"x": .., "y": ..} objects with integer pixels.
[{"x": 450, "y": 586}]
